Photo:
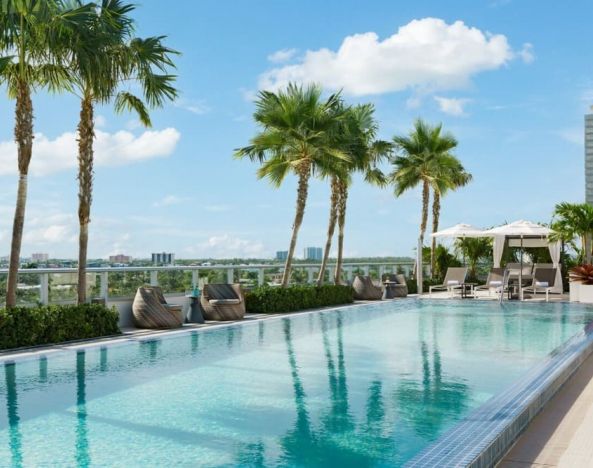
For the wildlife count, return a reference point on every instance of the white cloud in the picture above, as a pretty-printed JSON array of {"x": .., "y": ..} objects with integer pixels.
[
  {"x": 100, "y": 121},
  {"x": 283, "y": 55},
  {"x": 111, "y": 149},
  {"x": 451, "y": 106},
  {"x": 526, "y": 53},
  {"x": 424, "y": 54},
  {"x": 227, "y": 246},
  {"x": 248, "y": 95},
  {"x": 195, "y": 107},
  {"x": 169, "y": 200}
]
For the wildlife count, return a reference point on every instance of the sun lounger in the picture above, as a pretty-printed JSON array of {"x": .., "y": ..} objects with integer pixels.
[
  {"x": 494, "y": 282},
  {"x": 454, "y": 278},
  {"x": 543, "y": 281}
]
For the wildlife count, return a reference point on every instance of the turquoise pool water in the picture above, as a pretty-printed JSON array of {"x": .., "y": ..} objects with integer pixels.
[{"x": 364, "y": 386}]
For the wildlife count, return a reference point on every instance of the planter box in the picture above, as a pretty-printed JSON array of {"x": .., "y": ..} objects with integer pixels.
[{"x": 581, "y": 293}]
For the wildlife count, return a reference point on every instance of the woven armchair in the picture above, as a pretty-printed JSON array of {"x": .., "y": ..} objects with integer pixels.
[
  {"x": 223, "y": 302},
  {"x": 365, "y": 289},
  {"x": 395, "y": 285},
  {"x": 150, "y": 309}
]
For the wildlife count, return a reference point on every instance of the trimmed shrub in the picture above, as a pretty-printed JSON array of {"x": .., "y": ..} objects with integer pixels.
[
  {"x": 268, "y": 300},
  {"x": 31, "y": 326}
]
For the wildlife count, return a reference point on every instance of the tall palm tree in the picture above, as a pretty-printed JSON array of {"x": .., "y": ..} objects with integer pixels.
[
  {"x": 32, "y": 31},
  {"x": 451, "y": 177},
  {"x": 296, "y": 137},
  {"x": 420, "y": 157},
  {"x": 356, "y": 138},
  {"x": 104, "y": 56},
  {"x": 574, "y": 220},
  {"x": 474, "y": 249}
]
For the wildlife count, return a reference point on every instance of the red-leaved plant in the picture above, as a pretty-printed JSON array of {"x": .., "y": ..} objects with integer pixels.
[{"x": 582, "y": 274}]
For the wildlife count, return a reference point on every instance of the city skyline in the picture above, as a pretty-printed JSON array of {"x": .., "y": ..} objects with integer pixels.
[{"x": 515, "y": 100}]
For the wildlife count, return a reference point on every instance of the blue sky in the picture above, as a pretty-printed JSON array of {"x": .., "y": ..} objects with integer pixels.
[{"x": 510, "y": 78}]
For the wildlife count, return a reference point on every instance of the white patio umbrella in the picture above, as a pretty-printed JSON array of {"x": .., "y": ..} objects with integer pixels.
[
  {"x": 459, "y": 230},
  {"x": 523, "y": 230}
]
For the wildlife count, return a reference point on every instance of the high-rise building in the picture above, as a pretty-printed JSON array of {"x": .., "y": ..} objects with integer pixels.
[
  {"x": 281, "y": 255},
  {"x": 314, "y": 253},
  {"x": 163, "y": 258},
  {"x": 120, "y": 258},
  {"x": 589, "y": 158},
  {"x": 39, "y": 257}
]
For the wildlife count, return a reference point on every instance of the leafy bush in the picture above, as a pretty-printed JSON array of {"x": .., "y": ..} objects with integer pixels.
[
  {"x": 267, "y": 300},
  {"x": 31, "y": 326},
  {"x": 582, "y": 274},
  {"x": 413, "y": 287}
]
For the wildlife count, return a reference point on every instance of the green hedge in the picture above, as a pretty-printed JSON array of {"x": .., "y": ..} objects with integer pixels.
[
  {"x": 267, "y": 299},
  {"x": 31, "y": 326}
]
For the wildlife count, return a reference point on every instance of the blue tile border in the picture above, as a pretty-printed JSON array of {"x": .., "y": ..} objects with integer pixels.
[{"x": 482, "y": 438}]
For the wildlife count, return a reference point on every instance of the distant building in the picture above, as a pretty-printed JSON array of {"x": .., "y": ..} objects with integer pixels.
[
  {"x": 282, "y": 255},
  {"x": 589, "y": 158},
  {"x": 39, "y": 257},
  {"x": 120, "y": 258},
  {"x": 314, "y": 253},
  {"x": 163, "y": 258}
]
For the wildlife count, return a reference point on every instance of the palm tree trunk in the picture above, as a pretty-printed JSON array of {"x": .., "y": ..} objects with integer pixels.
[
  {"x": 86, "y": 134},
  {"x": 304, "y": 171},
  {"x": 341, "y": 223},
  {"x": 436, "y": 213},
  {"x": 425, "y": 203},
  {"x": 333, "y": 216},
  {"x": 23, "y": 133}
]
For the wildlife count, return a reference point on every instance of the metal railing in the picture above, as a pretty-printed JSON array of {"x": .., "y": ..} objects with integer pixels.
[{"x": 119, "y": 283}]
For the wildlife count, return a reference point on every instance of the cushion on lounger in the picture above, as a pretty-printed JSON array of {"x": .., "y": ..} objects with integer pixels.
[
  {"x": 452, "y": 283},
  {"x": 224, "y": 301},
  {"x": 541, "y": 284},
  {"x": 495, "y": 283}
]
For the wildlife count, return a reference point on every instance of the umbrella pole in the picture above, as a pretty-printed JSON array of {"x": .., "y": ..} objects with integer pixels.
[{"x": 521, "y": 272}]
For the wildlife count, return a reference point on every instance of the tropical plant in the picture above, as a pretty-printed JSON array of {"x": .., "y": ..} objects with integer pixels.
[
  {"x": 451, "y": 177},
  {"x": 474, "y": 249},
  {"x": 356, "y": 138},
  {"x": 296, "y": 137},
  {"x": 103, "y": 56},
  {"x": 422, "y": 157},
  {"x": 582, "y": 274},
  {"x": 31, "y": 31},
  {"x": 574, "y": 221}
]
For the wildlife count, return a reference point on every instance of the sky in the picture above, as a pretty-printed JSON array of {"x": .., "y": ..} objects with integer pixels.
[{"x": 511, "y": 79}]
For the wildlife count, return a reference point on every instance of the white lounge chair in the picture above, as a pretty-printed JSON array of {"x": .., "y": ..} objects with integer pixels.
[
  {"x": 454, "y": 278},
  {"x": 543, "y": 281},
  {"x": 494, "y": 282}
]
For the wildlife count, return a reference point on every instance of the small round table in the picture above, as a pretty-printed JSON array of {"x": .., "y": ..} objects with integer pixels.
[{"x": 195, "y": 310}]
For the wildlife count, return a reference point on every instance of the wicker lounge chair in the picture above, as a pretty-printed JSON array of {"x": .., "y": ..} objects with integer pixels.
[
  {"x": 395, "y": 286},
  {"x": 454, "y": 278},
  {"x": 494, "y": 282},
  {"x": 223, "y": 302},
  {"x": 543, "y": 281},
  {"x": 365, "y": 289},
  {"x": 150, "y": 309}
]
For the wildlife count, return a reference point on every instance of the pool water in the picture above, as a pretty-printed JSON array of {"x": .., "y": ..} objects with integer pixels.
[{"x": 369, "y": 385}]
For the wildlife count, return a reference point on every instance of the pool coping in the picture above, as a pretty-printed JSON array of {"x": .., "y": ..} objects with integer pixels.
[{"x": 482, "y": 438}]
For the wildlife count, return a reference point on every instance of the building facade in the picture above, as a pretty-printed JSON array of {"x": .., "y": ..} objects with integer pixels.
[
  {"x": 120, "y": 258},
  {"x": 281, "y": 255},
  {"x": 39, "y": 257},
  {"x": 589, "y": 158},
  {"x": 163, "y": 258},
  {"x": 314, "y": 253}
]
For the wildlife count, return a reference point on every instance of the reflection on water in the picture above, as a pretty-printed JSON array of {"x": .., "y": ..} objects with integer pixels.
[{"x": 361, "y": 387}]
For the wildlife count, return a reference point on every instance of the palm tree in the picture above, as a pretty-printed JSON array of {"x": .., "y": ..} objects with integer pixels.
[
  {"x": 356, "y": 138},
  {"x": 32, "y": 31},
  {"x": 102, "y": 57},
  {"x": 474, "y": 249},
  {"x": 574, "y": 220},
  {"x": 451, "y": 177},
  {"x": 423, "y": 155},
  {"x": 296, "y": 136}
]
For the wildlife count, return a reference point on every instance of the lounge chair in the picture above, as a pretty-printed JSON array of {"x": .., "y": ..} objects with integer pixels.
[
  {"x": 454, "y": 278},
  {"x": 365, "y": 289},
  {"x": 494, "y": 282},
  {"x": 395, "y": 286},
  {"x": 223, "y": 302},
  {"x": 543, "y": 281},
  {"x": 150, "y": 309}
]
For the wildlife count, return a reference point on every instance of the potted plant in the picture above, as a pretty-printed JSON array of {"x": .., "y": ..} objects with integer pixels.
[{"x": 581, "y": 284}]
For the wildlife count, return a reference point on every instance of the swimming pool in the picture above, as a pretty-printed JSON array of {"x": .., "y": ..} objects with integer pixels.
[{"x": 370, "y": 385}]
